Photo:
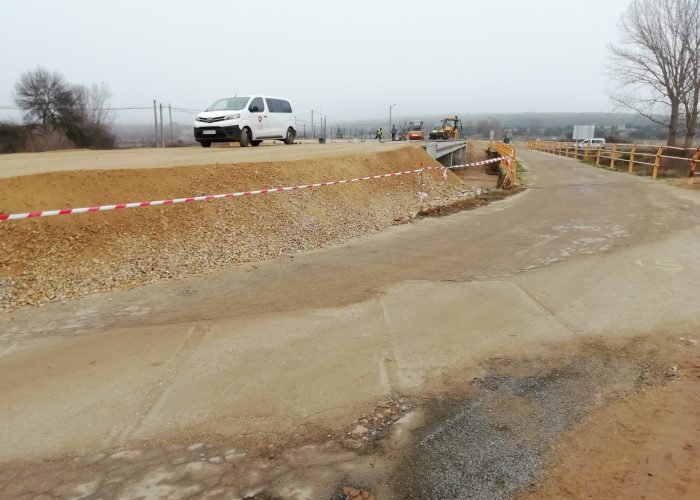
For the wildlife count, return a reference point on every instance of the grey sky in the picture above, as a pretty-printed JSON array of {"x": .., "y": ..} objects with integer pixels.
[{"x": 352, "y": 59}]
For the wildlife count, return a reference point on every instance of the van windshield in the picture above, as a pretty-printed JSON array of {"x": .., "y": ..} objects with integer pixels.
[{"x": 229, "y": 104}]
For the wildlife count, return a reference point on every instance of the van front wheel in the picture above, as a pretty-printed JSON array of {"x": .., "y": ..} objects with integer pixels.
[
  {"x": 246, "y": 137},
  {"x": 289, "y": 138},
  {"x": 205, "y": 144}
]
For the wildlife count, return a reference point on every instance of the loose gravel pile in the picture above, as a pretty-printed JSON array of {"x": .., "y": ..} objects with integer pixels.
[{"x": 64, "y": 257}]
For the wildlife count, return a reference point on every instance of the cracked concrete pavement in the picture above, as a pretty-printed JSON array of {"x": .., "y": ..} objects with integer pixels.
[{"x": 319, "y": 338}]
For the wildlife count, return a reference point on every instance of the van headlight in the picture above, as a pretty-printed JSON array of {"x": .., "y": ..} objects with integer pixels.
[{"x": 232, "y": 117}]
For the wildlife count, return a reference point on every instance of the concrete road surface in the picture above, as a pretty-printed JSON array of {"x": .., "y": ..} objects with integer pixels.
[{"x": 317, "y": 338}]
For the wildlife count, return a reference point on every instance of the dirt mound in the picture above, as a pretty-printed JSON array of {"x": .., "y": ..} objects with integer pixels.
[{"x": 67, "y": 256}]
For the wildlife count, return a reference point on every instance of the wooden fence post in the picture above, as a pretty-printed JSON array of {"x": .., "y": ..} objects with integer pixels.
[
  {"x": 657, "y": 162},
  {"x": 694, "y": 166},
  {"x": 576, "y": 151},
  {"x": 612, "y": 156},
  {"x": 585, "y": 153},
  {"x": 630, "y": 166},
  {"x": 597, "y": 157}
]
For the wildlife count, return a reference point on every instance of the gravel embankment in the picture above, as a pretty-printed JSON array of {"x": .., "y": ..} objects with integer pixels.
[{"x": 69, "y": 256}]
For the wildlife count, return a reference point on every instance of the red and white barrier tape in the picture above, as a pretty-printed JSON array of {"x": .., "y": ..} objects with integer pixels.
[{"x": 105, "y": 208}]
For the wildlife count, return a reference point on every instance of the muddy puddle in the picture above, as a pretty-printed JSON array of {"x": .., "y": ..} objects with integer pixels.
[{"x": 487, "y": 437}]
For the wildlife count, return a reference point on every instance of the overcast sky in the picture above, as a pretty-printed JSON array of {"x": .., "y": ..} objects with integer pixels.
[{"x": 350, "y": 59}]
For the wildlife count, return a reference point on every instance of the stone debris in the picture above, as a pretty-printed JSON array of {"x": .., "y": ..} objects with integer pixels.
[
  {"x": 373, "y": 426},
  {"x": 360, "y": 430},
  {"x": 357, "y": 494}
]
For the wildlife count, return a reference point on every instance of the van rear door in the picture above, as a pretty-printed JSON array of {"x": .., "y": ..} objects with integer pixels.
[{"x": 280, "y": 114}]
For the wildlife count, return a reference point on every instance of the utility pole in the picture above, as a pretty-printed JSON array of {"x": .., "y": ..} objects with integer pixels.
[
  {"x": 162, "y": 141},
  {"x": 313, "y": 130},
  {"x": 170, "y": 114},
  {"x": 155, "y": 119}
]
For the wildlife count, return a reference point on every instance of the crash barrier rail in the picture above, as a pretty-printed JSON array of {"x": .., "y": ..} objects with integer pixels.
[
  {"x": 634, "y": 157},
  {"x": 104, "y": 208}
]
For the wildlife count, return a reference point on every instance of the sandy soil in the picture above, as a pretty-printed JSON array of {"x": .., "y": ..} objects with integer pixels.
[
  {"x": 57, "y": 161},
  {"x": 637, "y": 401},
  {"x": 646, "y": 445}
]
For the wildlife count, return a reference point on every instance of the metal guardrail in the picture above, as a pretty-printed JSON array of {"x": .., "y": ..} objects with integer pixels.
[{"x": 627, "y": 155}]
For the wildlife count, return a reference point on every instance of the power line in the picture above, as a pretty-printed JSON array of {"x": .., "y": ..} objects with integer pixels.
[{"x": 88, "y": 109}]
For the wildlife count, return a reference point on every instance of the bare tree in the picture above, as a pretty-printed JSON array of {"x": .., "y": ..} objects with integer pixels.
[
  {"x": 92, "y": 101},
  {"x": 43, "y": 95},
  {"x": 691, "y": 95},
  {"x": 653, "y": 63},
  {"x": 76, "y": 112}
]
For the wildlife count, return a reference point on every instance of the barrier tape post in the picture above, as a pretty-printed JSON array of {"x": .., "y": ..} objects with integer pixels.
[{"x": 211, "y": 197}]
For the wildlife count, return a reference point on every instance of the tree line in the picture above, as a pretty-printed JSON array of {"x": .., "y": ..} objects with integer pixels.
[
  {"x": 58, "y": 115},
  {"x": 657, "y": 64}
]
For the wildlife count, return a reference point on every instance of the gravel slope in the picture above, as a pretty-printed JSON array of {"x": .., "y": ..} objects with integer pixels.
[{"x": 69, "y": 256}]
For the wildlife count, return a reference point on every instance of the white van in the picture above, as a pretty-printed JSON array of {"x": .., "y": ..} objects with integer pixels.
[{"x": 247, "y": 120}]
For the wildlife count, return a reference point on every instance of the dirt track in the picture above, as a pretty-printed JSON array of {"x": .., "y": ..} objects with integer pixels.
[
  {"x": 59, "y": 161},
  {"x": 213, "y": 384}
]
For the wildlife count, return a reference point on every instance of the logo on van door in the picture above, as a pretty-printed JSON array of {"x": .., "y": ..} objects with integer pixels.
[{"x": 260, "y": 119}]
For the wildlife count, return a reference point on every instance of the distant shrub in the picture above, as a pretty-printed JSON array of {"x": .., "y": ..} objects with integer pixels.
[
  {"x": 46, "y": 139},
  {"x": 36, "y": 138}
]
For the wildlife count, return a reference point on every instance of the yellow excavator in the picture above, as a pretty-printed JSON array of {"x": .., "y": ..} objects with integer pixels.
[{"x": 450, "y": 128}]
